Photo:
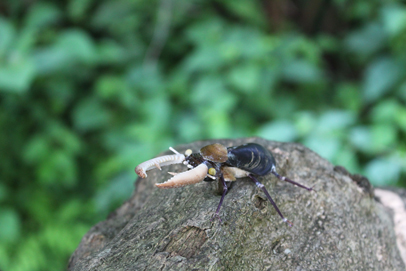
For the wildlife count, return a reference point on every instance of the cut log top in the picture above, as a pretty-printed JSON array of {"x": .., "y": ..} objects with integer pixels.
[{"x": 341, "y": 227}]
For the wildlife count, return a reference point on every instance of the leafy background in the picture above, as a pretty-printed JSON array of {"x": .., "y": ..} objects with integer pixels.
[{"x": 89, "y": 89}]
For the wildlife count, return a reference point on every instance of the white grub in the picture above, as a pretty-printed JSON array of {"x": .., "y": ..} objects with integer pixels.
[
  {"x": 158, "y": 162},
  {"x": 193, "y": 176}
]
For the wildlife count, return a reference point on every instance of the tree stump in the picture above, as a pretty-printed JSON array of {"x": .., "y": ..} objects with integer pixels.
[{"x": 342, "y": 226}]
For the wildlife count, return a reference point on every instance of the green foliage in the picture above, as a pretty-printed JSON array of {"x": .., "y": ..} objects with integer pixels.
[{"x": 89, "y": 89}]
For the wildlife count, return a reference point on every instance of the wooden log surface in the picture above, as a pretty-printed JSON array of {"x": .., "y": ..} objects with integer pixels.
[{"x": 342, "y": 226}]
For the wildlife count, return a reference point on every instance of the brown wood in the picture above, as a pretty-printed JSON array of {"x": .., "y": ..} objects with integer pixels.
[{"x": 341, "y": 227}]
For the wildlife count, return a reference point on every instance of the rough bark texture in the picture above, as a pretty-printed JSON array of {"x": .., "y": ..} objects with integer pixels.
[{"x": 341, "y": 227}]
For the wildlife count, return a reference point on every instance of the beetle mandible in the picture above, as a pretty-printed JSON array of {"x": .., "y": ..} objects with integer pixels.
[{"x": 215, "y": 161}]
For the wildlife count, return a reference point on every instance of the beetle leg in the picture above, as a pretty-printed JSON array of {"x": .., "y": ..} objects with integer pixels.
[
  {"x": 225, "y": 189},
  {"x": 283, "y": 178},
  {"x": 260, "y": 185}
]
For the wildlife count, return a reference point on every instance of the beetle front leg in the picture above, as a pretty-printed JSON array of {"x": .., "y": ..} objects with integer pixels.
[
  {"x": 260, "y": 185},
  {"x": 225, "y": 189}
]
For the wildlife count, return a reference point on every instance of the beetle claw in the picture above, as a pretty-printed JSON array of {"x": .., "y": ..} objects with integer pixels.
[{"x": 193, "y": 176}]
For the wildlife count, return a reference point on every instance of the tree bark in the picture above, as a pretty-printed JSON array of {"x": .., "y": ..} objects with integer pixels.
[{"x": 342, "y": 226}]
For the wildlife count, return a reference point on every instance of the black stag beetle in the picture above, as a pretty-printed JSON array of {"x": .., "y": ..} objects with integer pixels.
[{"x": 215, "y": 161}]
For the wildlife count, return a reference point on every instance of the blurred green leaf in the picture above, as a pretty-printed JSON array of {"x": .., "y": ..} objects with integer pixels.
[
  {"x": 301, "y": 71},
  {"x": 394, "y": 18},
  {"x": 366, "y": 40},
  {"x": 60, "y": 166},
  {"x": 64, "y": 138},
  {"x": 386, "y": 111},
  {"x": 383, "y": 171},
  {"x": 217, "y": 124},
  {"x": 42, "y": 14},
  {"x": 117, "y": 17},
  {"x": 361, "y": 138},
  {"x": 401, "y": 93},
  {"x": 4, "y": 258},
  {"x": 109, "y": 86},
  {"x": 362, "y": 10},
  {"x": 3, "y": 192},
  {"x": 233, "y": 45},
  {"x": 78, "y": 45},
  {"x": 247, "y": 10},
  {"x": 349, "y": 96},
  {"x": 10, "y": 225},
  {"x": 7, "y": 34},
  {"x": 380, "y": 77},
  {"x": 16, "y": 77},
  {"x": 146, "y": 80},
  {"x": 384, "y": 137},
  {"x": 347, "y": 158},
  {"x": 327, "y": 147},
  {"x": 90, "y": 114},
  {"x": 245, "y": 78},
  {"x": 203, "y": 59},
  {"x": 328, "y": 43},
  {"x": 333, "y": 120},
  {"x": 190, "y": 131},
  {"x": 73, "y": 47},
  {"x": 158, "y": 112},
  {"x": 117, "y": 190},
  {"x": 110, "y": 51},
  {"x": 51, "y": 60},
  {"x": 206, "y": 33},
  {"x": 278, "y": 130},
  {"x": 400, "y": 118},
  {"x": 36, "y": 149},
  {"x": 78, "y": 8},
  {"x": 305, "y": 122},
  {"x": 210, "y": 93}
]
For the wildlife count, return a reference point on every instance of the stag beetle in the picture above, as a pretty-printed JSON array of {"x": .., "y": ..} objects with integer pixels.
[{"x": 215, "y": 161}]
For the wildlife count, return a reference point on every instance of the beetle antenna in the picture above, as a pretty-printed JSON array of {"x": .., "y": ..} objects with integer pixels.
[
  {"x": 260, "y": 185},
  {"x": 172, "y": 149},
  {"x": 283, "y": 178}
]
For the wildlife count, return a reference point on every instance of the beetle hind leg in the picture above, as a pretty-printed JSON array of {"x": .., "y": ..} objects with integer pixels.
[
  {"x": 260, "y": 185},
  {"x": 283, "y": 178}
]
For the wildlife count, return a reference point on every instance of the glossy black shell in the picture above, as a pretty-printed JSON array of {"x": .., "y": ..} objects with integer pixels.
[{"x": 251, "y": 157}]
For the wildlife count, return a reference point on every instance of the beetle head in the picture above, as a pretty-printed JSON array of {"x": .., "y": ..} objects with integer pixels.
[
  {"x": 215, "y": 153},
  {"x": 199, "y": 168}
]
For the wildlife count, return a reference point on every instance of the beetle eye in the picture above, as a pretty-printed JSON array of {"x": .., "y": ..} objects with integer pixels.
[
  {"x": 212, "y": 171},
  {"x": 188, "y": 152}
]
